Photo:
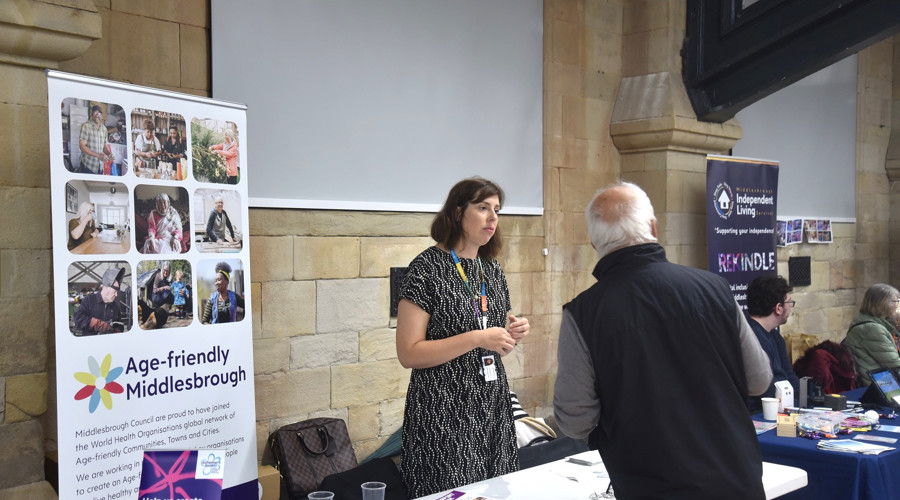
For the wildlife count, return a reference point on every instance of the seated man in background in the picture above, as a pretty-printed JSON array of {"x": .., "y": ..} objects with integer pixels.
[{"x": 768, "y": 306}]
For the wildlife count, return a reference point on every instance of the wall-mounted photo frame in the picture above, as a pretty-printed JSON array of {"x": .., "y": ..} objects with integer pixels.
[{"x": 71, "y": 199}]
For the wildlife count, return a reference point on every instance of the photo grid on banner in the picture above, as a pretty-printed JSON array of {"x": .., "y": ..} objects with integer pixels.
[
  {"x": 741, "y": 197},
  {"x": 151, "y": 294}
]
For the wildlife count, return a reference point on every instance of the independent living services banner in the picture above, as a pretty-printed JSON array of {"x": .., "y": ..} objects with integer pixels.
[
  {"x": 741, "y": 196},
  {"x": 138, "y": 369}
]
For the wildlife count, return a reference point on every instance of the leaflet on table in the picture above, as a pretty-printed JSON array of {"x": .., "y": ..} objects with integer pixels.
[
  {"x": 763, "y": 426},
  {"x": 851, "y": 446},
  {"x": 461, "y": 495},
  {"x": 877, "y": 439},
  {"x": 590, "y": 457}
]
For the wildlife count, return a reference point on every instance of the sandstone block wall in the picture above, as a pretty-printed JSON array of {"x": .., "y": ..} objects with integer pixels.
[{"x": 323, "y": 337}]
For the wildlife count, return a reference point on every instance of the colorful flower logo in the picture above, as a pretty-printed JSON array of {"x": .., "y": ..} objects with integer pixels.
[{"x": 99, "y": 383}]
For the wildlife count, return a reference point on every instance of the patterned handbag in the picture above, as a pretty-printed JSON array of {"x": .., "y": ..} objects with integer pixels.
[{"x": 305, "y": 452}]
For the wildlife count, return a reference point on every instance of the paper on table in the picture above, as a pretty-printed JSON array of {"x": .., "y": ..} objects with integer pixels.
[
  {"x": 877, "y": 439},
  {"x": 591, "y": 457},
  {"x": 763, "y": 426},
  {"x": 582, "y": 473},
  {"x": 852, "y": 446},
  {"x": 461, "y": 495}
]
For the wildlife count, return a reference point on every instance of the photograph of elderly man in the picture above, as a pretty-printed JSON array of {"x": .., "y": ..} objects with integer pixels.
[
  {"x": 99, "y": 298},
  {"x": 90, "y": 135}
]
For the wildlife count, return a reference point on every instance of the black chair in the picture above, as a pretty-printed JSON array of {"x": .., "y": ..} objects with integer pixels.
[
  {"x": 550, "y": 451},
  {"x": 346, "y": 485}
]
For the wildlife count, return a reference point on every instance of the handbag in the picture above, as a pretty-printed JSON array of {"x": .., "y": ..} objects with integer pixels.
[{"x": 308, "y": 451}]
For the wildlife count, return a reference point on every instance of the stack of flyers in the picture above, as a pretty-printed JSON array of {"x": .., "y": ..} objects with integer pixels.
[{"x": 852, "y": 446}]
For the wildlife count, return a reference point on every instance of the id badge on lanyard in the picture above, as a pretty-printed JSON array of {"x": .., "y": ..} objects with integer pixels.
[{"x": 488, "y": 368}]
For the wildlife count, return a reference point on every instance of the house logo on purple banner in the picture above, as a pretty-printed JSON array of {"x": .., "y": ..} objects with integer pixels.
[{"x": 723, "y": 200}]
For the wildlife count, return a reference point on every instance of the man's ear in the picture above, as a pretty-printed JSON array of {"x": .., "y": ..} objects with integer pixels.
[{"x": 653, "y": 228}]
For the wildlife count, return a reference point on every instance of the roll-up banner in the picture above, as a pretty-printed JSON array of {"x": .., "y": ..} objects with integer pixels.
[
  {"x": 151, "y": 276},
  {"x": 741, "y": 195}
]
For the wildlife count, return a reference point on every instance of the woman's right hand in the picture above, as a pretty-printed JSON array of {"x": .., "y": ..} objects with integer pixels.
[{"x": 497, "y": 339}]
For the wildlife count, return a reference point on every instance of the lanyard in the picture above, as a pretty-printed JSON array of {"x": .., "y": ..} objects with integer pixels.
[{"x": 462, "y": 274}]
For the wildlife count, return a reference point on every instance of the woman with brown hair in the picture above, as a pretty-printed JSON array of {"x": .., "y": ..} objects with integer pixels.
[{"x": 452, "y": 331}]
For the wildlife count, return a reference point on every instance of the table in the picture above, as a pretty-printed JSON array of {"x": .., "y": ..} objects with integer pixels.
[
  {"x": 551, "y": 480},
  {"x": 219, "y": 246},
  {"x": 98, "y": 246},
  {"x": 837, "y": 475}
]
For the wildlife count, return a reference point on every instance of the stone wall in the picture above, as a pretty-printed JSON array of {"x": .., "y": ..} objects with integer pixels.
[{"x": 323, "y": 338}]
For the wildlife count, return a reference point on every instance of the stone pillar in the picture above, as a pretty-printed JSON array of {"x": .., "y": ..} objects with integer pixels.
[
  {"x": 34, "y": 35},
  {"x": 892, "y": 167},
  {"x": 663, "y": 145}
]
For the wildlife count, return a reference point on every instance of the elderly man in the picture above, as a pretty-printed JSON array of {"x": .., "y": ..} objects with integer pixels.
[
  {"x": 101, "y": 313},
  {"x": 769, "y": 305},
  {"x": 655, "y": 364}
]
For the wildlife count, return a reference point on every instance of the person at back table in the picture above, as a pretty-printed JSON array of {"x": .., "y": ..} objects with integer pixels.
[
  {"x": 769, "y": 305},
  {"x": 655, "y": 364},
  {"x": 872, "y": 336}
]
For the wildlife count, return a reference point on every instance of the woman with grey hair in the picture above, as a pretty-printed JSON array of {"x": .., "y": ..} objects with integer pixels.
[
  {"x": 82, "y": 228},
  {"x": 164, "y": 232},
  {"x": 872, "y": 338},
  {"x": 219, "y": 222}
]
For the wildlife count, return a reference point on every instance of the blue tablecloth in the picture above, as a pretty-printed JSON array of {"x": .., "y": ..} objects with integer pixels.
[{"x": 837, "y": 475}]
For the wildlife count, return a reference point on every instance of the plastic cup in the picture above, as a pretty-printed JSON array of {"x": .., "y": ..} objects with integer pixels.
[
  {"x": 770, "y": 408},
  {"x": 373, "y": 490},
  {"x": 321, "y": 495}
]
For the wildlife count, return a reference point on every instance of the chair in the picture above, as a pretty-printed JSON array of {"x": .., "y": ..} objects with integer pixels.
[
  {"x": 346, "y": 485},
  {"x": 830, "y": 365}
]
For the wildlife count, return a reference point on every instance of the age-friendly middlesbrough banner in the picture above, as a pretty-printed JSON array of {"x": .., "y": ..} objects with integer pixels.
[
  {"x": 741, "y": 199},
  {"x": 151, "y": 267}
]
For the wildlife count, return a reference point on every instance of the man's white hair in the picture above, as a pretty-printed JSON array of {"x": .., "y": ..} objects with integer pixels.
[{"x": 615, "y": 221}]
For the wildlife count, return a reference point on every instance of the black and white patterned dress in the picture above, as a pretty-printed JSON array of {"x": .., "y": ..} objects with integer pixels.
[{"x": 457, "y": 427}]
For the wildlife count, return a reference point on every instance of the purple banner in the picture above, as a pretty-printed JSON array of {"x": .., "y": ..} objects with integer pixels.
[
  {"x": 182, "y": 474},
  {"x": 740, "y": 220}
]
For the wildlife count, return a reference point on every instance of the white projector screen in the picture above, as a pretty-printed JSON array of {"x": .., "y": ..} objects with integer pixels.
[
  {"x": 810, "y": 129},
  {"x": 384, "y": 104}
]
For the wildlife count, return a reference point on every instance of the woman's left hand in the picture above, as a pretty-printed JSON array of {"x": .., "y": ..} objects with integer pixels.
[{"x": 518, "y": 328}]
